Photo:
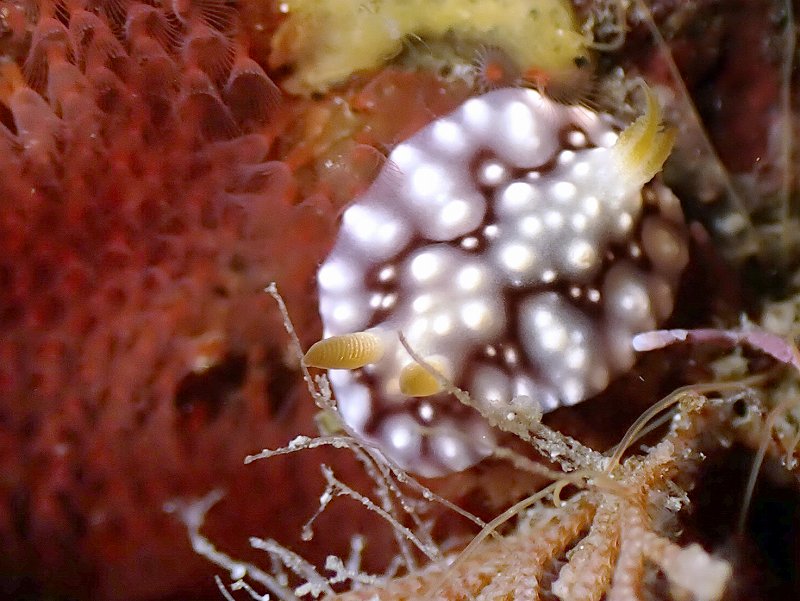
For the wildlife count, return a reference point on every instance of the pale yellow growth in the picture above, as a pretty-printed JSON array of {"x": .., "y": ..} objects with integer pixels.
[
  {"x": 416, "y": 380},
  {"x": 348, "y": 351},
  {"x": 326, "y": 41},
  {"x": 645, "y": 144}
]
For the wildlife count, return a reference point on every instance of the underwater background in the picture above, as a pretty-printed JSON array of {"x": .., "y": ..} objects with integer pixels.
[{"x": 162, "y": 162}]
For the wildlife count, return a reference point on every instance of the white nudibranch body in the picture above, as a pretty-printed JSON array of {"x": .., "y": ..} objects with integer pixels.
[{"x": 518, "y": 246}]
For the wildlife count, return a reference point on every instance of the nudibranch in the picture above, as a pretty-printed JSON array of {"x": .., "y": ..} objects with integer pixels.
[{"x": 518, "y": 244}]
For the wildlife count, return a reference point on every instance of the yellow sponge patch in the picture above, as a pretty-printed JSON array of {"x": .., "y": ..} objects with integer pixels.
[{"x": 326, "y": 41}]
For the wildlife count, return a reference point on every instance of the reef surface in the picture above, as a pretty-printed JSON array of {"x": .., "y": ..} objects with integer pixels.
[{"x": 155, "y": 177}]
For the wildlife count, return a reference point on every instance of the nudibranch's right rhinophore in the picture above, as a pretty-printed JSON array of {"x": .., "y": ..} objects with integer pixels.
[{"x": 519, "y": 245}]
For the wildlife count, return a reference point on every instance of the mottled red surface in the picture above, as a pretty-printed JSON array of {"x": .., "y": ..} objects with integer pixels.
[{"x": 141, "y": 216}]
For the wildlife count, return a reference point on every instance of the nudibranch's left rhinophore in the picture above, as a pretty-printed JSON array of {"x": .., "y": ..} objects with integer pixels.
[{"x": 519, "y": 245}]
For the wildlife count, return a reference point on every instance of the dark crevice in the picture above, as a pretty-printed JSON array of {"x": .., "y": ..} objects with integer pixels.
[
  {"x": 280, "y": 382},
  {"x": 766, "y": 556},
  {"x": 202, "y": 395}
]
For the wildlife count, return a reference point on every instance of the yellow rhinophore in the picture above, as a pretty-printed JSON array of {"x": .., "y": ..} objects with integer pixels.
[
  {"x": 348, "y": 351},
  {"x": 416, "y": 380},
  {"x": 645, "y": 144},
  {"x": 326, "y": 41}
]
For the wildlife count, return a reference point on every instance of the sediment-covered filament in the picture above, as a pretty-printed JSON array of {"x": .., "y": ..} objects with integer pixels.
[{"x": 518, "y": 248}]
